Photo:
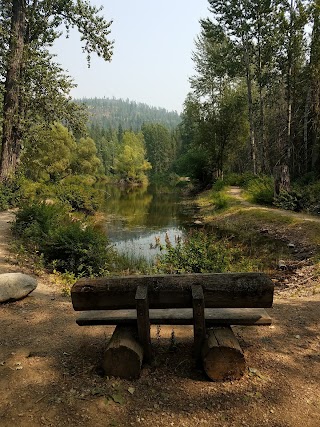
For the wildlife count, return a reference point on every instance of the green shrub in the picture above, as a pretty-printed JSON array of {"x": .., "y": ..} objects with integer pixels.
[
  {"x": 36, "y": 220},
  {"x": 65, "y": 244},
  {"x": 311, "y": 197},
  {"x": 78, "y": 249},
  {"x": 204, "y": 253},
  {"x": 261, "y": 190},
  {"x": 218, "y": 185},
  {"x": 35, "y": 191},
  {"x": 79, "y": 197},
  {"x": 10, "y": 194},
  {"x": 239, "y": 179},
  {"x": 220, "y": 201},
  {"x": 288, "y": 200}
]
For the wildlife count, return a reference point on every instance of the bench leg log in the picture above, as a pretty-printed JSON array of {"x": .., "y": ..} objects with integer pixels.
[
  {"x": 222, "y": 355},
  {"x": 124, "y": 354}
]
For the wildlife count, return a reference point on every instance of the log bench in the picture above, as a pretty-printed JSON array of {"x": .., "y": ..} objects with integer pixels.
[{"x": 212, "y": 303}]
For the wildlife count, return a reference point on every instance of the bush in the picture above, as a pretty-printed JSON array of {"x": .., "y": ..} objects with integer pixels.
[
  {"x": 204, "y": 253},
  {"x": 261, "y": 190},
  {"x": 79, "y": 197},
  {"x": 220, "y": 201},
  {"x": 35, "y": 191},
  {"x": 288, "y": 200},
  {"x": 64, "y": 243},
  {"x": 239, "y": 179},
  {"x": 35, "y": 221},
  {"x": 218, "y": 185},
  {"x": 77, "y": 249},
  {"x": 311, "y": 198},
  {"x": 10, "y": 194}
]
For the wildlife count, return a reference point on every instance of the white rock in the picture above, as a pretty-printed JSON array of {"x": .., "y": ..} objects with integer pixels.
[{"x": 15, "y": 286}]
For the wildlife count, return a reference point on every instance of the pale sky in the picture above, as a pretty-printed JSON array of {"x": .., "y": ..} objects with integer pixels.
[{"x": 154, "y": 40}]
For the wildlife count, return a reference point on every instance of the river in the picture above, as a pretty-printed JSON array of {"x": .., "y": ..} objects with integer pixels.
[{"x": 140, "y": 221}]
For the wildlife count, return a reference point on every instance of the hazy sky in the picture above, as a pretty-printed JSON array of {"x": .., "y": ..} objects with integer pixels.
[{"x": 151, "y": 63}]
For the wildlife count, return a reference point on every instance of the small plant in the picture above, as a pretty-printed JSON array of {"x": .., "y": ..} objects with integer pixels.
[
  {"x": 65, "y": 281},
  {"x": 220, "y": 201},
  {"x": 261, "y": 190}
]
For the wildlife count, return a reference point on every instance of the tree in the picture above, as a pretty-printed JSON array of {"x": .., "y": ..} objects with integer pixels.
[
  {"x": 160, "y": 147},
  {"x": 35, "y": 24},
  {"x": 312, "y": 148},
  {"x": 85, "y": 160},
  {"x": 235, "y": 19},
  {"x": 49, "y": 153},
  {"x": 131, "y": 164}
]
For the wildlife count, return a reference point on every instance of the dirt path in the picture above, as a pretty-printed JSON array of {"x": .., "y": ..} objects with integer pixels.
[
  {"x": 50, "y": 373},
  {"x": 237, "y": 193}
]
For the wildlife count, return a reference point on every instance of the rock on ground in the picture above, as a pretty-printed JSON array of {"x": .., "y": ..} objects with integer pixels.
[{"x": 15, "y": 286}]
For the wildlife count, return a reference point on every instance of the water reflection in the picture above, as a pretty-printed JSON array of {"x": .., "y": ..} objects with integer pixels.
[{"x": 138, "y": 218}]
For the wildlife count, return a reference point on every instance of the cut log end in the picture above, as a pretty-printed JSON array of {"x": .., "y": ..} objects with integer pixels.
[
  {"x": 124, "y": 354},
  {"x": 222, "y": 355}
]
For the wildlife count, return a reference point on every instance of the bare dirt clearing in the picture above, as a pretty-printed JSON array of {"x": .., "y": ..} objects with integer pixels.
[{"x": 50, "y": 373}]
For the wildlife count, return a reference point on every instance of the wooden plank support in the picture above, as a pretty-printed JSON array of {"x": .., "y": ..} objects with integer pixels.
[
  {"x": 199, "y": 325},
  {"x": 222, "y": 355},
  {"x": 124, "y": 353},
  {"x": 143, "y": 321}
]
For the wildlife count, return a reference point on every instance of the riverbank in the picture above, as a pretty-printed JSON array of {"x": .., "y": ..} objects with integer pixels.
[{"x": 50, "y": 373}]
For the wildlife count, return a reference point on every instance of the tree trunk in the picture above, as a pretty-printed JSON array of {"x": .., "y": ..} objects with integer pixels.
[
  {"x": 250, "y": 107},
  {"x": 315, "y": 89},
  {"x": 10, "y": 151},
  {"x": 124, "y": 354},
  {"x": 281, "y": 179},
  {"x": 222, "y": 355}
]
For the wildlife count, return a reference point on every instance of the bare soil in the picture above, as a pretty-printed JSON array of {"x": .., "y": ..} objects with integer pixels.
[{"x": 50, "y": 371}]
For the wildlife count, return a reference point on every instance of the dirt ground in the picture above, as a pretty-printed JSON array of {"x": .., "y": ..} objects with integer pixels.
[{"x": 50, "y": 371}]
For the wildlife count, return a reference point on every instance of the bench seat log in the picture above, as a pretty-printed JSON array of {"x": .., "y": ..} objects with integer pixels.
[
  {"x": 231, "y": 290},
  {"x": 182, "y": 316}
]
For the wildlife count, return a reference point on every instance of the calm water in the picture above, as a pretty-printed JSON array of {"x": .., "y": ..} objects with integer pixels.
[{"x": 141, "y": 220}]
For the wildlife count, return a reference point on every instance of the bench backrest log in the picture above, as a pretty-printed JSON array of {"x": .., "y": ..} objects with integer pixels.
[{"x": 220, "y": 290}]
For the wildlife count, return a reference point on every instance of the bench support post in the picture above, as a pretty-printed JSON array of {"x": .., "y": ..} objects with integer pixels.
[
  {"x": 143, "y": 321},
  {"x": 199, "y": 324}
]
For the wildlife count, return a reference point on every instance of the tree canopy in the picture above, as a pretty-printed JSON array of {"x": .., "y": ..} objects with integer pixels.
[{"x": 34, "y": 85}]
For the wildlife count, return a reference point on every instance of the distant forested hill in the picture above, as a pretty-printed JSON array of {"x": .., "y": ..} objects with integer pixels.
[{"x": 110, "y": 113}]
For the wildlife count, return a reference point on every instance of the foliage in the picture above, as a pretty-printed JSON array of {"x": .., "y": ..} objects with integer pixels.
[
  {"x": 77, "y": 248},
  {"x": 288, "y": 200},
  {"x": 10, "y": 194},
  {"x": 193, "y": 164},
  {"x": 254, "y": 100},
  {"x": 261, "y": 190},
  {"x": 131, "y": 163},
  {"x": 239, "y": 179},
  {"x": 160, "y": 147},
  {"x": 64, "y": 243},
  {"x": 201, "y": 252},
  {"x": 220, "y": 200},
  {"x": 49, "y": 153},
  {"x": 81, "y": 198},
  {"x": 85, "y": 160},
  {"x": 36, "y": 87}
]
